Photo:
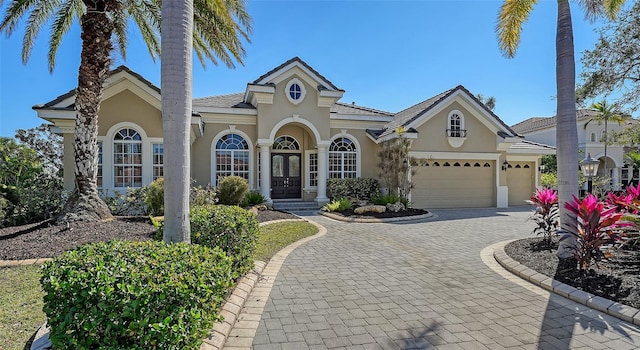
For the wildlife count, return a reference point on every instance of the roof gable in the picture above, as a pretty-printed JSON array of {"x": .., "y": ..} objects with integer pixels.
[
  {"x": 272, "y": 75},
  {"x": 419, "y": 113},
  {"x": 119, "y": 79}
]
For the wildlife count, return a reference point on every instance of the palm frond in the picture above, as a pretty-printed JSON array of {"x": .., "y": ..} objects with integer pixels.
[
  {"x": 612, "y": 8},
  {"x": 15, "y": 11},
  {"x": 120, "y": 24},
  {"x": 512, "y": 16},
  {"x": 40, "y": 14},
  {"x": 61, "y": 24},
  {"x": 146, "y": 14}
]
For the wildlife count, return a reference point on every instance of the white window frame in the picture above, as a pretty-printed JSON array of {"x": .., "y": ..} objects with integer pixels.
[
  {"x": 450, "y": 118},
  {"x": 107, "y": 155},
  {"x": 130, "y": 165},
  {"x": 357, "y": 152},
  {"x": 250, "y": 146},
  {"x": 307, "y": 166},
  {"x": 99, "y": 171},
  {"x": 153, "y": 160},
  {"x": 303, "y": 91}
]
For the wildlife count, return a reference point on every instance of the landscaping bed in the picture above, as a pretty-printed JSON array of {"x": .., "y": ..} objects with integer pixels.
[
  {"x": 45, "y": 240},
  {"x": 617, "y": 279},
  {"x": 349, "y": 213}
]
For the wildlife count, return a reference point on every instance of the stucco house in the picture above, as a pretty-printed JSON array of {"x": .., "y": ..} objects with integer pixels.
[
  {"x": 590, "y": 141},
  {"x": 288, "y": 132}
]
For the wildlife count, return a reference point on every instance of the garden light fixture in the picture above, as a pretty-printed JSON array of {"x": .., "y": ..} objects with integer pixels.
[{"x": 589, "y": 168}]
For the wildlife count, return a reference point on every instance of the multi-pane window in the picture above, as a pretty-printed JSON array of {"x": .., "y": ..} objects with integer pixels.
[
  {"x": 158, "y": 160},
  {"x": 313, "y": 169},
  {"x": 99, "y": 176},
  {"x": 232, "y": 157},
  {"x": 455, "y": 126},
  {"x": 295, "y": 91},
  {"x": 127, "y": 158},
  {"x": 342, "y": 159}
]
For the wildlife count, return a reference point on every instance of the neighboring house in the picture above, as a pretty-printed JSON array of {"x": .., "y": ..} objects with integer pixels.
[
  {"x": 590, "y": 140},
  {"x": 287, "y": 133}
]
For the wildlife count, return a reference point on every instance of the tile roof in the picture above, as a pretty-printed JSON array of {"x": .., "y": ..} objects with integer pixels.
[
  {"x": 235, "y": 100},
  {"x": 345, "y": 108},
  {"x": 530, "y": 145},
  {"x": 409, "y": 115},
  {"x": 111, "y": 73},
  {"x": 538, "y": 123},
  {"x": 299, "y": 60}
]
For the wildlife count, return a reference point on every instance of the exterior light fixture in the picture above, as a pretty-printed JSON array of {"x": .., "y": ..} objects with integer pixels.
[
  {"x": 589, "y": 168},
  {"x": 541, "y": 168},
  {"x": 505, "y": 165}
]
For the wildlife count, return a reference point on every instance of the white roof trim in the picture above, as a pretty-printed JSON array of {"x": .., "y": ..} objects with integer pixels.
[{"x": 302, "y": 67}]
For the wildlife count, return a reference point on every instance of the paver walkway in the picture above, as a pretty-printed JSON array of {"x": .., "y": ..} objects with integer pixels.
[{"x": 422, "y": 285}]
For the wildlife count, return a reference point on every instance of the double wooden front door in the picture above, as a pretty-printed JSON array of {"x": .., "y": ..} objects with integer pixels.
[{"x": 285, "y": 176}]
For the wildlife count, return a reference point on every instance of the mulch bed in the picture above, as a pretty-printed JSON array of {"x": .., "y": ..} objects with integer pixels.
[
  {"x": 387, "y": 214},
  {"x": 46, "y": 240},
  {"x": 617, "y": 279}
]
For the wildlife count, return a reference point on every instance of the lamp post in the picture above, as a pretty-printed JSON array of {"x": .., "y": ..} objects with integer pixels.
[{"x": 589, "y": 169}]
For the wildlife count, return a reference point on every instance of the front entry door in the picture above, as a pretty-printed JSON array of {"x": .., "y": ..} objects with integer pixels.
[{"x": 285, "y": 176}]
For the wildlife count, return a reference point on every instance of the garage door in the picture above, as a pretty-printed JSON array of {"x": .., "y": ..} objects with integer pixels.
[
  {"x": 520, "y": 179},
  {"x": 454, "y": 184}
]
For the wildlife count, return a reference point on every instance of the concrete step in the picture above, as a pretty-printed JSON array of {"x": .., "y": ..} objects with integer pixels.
[{"x": 295, "y": 206}]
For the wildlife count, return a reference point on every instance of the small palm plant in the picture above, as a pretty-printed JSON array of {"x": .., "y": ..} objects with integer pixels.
[
  {"x": 595, "y": 225},
  {"x": 546, "y": 214}
]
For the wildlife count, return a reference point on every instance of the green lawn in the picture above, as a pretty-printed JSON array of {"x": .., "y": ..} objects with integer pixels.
[
  {"x": 274, "y": 237},
  {"x": 21, "y": 296},
  {"x": 20, "y": 305}
]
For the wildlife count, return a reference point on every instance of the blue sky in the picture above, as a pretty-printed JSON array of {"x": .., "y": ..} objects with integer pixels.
[{"x": 387, "y": 55}]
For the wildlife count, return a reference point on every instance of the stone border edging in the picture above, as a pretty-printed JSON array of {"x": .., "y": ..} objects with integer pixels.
[
  {"x": 13, "y": 263},
  {"x": 615, "y": 309},
  {"x": 375, "y": 220},
  {"x": 244, "y": 330}
]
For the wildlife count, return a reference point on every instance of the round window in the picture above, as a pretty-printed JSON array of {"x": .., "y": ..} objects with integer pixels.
[{"x": 295, "y": 91}]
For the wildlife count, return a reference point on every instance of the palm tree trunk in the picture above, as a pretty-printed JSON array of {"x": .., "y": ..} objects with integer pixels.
[
  {"x": 606, "y": 134},
  {"x": 176, "y": 85},
  {"x": 567, "y": 134},
  {"x": 85, "y": 204}
]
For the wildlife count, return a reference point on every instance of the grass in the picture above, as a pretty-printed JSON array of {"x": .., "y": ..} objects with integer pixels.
[
  {"x": 21, "y": 297},
  {"x": 273, "y": 237},
  {"x": 20, "y": 305}
]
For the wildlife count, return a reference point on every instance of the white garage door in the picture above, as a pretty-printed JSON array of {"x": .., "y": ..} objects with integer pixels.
[
  {"x": 454, "y": 184},
  {"x": 520, "y": 179}
]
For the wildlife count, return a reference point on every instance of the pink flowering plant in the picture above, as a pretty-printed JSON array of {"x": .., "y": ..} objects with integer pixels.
[
  {"x": 545, "y": 214},
  {"x": 595, "y": 224}
]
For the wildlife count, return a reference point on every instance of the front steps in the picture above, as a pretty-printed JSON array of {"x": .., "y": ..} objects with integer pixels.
[{"x": 295, "y": 206}]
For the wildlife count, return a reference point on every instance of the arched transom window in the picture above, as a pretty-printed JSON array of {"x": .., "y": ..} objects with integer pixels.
[
  {"x": 286, "y": 143},
  {"x": 232, "y": 157},
  {"x": 342, "y": 159},
  {"x": 127, "y": 158}
]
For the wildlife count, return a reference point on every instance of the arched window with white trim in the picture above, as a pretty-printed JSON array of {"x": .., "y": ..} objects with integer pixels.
[
  {"x": 231, "y": 157},
  {"x": 286, "y": 143},
  {"x": 456, "y": 125},
  {"x": 127, "y": 158},
  {"x": 343, "y": 162}
]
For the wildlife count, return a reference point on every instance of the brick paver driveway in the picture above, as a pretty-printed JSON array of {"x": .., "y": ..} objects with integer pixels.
[{"x": 422, "y": 285}]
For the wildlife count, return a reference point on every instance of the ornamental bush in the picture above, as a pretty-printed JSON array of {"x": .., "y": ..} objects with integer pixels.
[
  {"x": 231, "y": 228},
  {"x": 361, "y": 188},
  {"x": 231, "y": 190},
  {"x": 154, "y": 197},
  {"x": 338, "y": 205},
  {"x": 134, "y": 295}
]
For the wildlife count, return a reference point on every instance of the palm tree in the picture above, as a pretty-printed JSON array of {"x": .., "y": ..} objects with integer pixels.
[
  {"x": 513, "y": 14},
  {"x": 605, "y": 113},
  {"x": 216, "y": 34},
  {"x": 490, "y": 101}
]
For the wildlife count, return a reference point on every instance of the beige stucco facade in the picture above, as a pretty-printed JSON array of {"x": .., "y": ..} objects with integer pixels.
[{"x": 287, "y": 133}]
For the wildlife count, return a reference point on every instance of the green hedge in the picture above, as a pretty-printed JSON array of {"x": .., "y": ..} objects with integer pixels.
[
  {"x": 134, "y": 295},
  {"x": 233, "y": 229},
  {"x": 362, "y": 188}
]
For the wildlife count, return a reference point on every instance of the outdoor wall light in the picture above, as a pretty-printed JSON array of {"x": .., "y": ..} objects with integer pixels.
[
  {"x": 505, "y": 165},
  {"x": 589, "y": 170},
  {"x": 541, "y": 168}
]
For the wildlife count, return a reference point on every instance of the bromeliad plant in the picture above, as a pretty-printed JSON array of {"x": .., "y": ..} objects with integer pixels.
[
  {"x": 593, "y": 226},
  {"x": 546, "y": 213}
]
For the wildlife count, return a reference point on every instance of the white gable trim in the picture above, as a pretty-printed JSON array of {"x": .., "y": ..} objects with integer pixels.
[
  {"x": 277, "y": 76},
  {"x": 467, "y": 102}
]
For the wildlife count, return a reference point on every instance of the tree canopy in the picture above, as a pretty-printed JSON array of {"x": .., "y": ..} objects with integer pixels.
[{"x": 613, "y": 65}]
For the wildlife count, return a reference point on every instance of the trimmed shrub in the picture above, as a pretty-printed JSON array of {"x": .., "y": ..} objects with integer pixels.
[
  {"x": 133, "y": 202},
  {"x": 339, "y": 205},
  {"x": 253, "y": 198},
  {"x": 154, "y": 197},
  {"x": 231, "y": 190},
  {"x": 200, "y": 195},
  {"x": 361, "y": 188},
  {"x": 134, "y": 295},
  {"x": 39, "y": 199},
  {"x": 233, "y": 229}
]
